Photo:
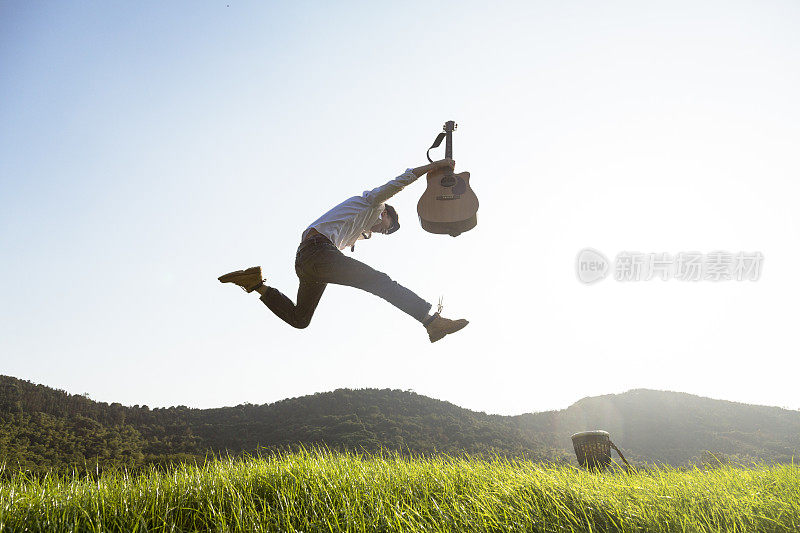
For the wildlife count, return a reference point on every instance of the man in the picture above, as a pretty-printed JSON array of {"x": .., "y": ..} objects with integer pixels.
[{"x": 319, "y": 260}]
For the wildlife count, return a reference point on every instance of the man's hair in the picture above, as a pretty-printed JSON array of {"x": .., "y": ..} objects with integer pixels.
[{"x": 395, "y": 220}]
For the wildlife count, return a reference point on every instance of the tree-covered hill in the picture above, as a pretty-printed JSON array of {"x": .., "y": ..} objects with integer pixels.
[{"x": 42, "y": 428}]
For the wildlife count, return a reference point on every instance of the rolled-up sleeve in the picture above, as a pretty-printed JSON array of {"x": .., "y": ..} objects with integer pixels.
[{"x": 380, "y": 194}]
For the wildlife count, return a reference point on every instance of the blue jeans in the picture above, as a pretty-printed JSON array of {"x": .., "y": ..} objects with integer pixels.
[{"x": 319, "y": 262}]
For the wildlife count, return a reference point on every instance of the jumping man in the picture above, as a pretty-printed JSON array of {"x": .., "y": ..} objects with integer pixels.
[{"x": 319, "y": 260}]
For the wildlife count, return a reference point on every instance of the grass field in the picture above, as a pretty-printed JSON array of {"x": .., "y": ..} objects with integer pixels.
[{"x": 323, "y": 491}]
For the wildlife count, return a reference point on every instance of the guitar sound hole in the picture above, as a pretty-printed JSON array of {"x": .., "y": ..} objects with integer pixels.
[{"x": 448, "y": 181}]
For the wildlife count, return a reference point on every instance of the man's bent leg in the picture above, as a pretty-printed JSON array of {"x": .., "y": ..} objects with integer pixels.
[
  {"x": 298, "y": 316},
  {"x": 332, "y": 266}
]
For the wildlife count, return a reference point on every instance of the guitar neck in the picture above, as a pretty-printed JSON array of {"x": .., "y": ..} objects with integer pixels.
[{"x": 449, "y": 126}]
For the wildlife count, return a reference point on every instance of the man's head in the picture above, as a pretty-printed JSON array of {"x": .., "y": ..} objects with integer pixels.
[
  {"x": 395, "y": 225},
  {"x": 389, "y": 222}
]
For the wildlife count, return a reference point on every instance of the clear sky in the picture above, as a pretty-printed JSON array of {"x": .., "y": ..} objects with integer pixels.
[{"x": 148, "y": 147}]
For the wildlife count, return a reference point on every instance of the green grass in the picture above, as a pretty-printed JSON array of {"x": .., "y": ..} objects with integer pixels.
[{"x": 325, "y": 491}]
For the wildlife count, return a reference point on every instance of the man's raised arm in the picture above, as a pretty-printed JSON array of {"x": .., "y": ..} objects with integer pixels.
[{"x": 380, "y": 194}]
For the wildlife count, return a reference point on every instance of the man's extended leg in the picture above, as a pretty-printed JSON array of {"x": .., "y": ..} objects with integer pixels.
[
  {"x": 298, "y": 316},
  {"x": 332, "y": 266},
  {"x": 329, "y": 265}
]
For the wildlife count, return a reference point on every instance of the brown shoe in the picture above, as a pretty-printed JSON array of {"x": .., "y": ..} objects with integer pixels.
[
  {"x": 439, "y": 327},
  {"x": 249, "y": 279}
]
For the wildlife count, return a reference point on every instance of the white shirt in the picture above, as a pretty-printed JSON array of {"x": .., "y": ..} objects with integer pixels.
[{"x": 345, "y": 223}]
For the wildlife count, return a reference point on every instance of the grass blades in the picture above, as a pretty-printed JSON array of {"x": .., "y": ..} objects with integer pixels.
[{"x": 320, "y": 491}]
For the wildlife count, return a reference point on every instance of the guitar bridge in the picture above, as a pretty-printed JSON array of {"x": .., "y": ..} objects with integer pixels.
[{"x": 448, "y": 197}]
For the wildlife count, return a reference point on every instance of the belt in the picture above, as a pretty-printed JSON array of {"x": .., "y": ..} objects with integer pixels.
[{"x": 314, "y": 237}]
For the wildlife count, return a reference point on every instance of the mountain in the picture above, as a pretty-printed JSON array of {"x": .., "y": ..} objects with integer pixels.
[
  {"x": 674, "y": 427},
  {"x": 43, "y": 428}
]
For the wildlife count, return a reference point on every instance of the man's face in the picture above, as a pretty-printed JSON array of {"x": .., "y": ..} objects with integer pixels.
[{"x": 383, "y": 224}]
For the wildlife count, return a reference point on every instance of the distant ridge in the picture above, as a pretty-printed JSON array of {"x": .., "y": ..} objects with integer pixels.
[
  {"x": 675, "y": 427},
  {"x": 41, "y": 428}
]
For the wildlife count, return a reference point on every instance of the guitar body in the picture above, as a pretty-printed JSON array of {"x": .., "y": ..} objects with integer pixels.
[{"x": 448, "y": 205}]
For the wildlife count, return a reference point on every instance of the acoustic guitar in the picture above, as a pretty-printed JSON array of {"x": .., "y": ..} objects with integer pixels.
[{"x": 448, "y": 205}]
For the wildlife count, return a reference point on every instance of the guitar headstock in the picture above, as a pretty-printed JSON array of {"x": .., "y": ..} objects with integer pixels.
[{"x": 449, "y": 127}]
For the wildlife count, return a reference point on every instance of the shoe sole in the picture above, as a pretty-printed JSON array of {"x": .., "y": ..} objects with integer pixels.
[{"x": 443, "y": 334}]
